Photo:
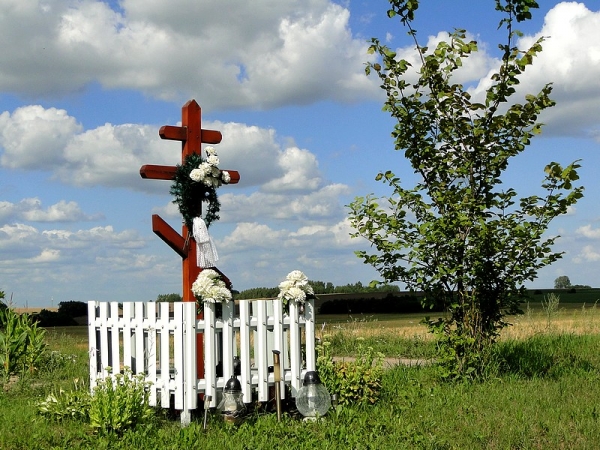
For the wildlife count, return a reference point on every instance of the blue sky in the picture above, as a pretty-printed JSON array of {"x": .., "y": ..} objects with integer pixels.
[{"x": 85, "y": 86}]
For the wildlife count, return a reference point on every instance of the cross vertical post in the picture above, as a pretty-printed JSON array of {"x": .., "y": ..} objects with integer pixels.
[{"x": 192, "y": 136}]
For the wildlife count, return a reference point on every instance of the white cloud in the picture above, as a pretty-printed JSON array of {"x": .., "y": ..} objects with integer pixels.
[
  {"x": 46, "y": 256},
  {"x": 587, "y": 254},
  {"x": 38, "y": 263},
  {"x": 588, "y": 232},
  {"x": 231, "y": 53},
  {"x": 300, "y": 170},
  {"x": 323, "y": 203},
  {"x": 33, "y": 137},
  {"x": 570, "y": 60},
  {"x": 250, "y": 235},
  {"x": 111, "y": 155},
  {"x": 30, "y": 209}
]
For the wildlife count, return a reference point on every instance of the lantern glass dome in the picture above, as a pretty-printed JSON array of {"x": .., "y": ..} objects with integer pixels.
[{"x": 313, "y": 399}]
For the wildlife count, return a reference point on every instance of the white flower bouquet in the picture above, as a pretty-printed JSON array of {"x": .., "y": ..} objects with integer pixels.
[
  {"x": 210, "y": 288},
  {"x": 295, "y": 288}
]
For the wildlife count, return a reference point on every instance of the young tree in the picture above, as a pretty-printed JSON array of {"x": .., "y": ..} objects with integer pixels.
[
  {"x": 562, "y": 282},
  {"x": 459, "y": 235}
]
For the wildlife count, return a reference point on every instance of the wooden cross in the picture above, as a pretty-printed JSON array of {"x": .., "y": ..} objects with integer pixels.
[{"x": 192, "y": 136}]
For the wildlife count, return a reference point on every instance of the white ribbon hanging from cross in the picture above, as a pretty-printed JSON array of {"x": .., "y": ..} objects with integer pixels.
[{"x": 206, "y": 255}]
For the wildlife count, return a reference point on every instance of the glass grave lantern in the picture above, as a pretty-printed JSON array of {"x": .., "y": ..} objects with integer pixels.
[
  {"x": 313, "y": 399},
  {"x": 232, "y": 407}
]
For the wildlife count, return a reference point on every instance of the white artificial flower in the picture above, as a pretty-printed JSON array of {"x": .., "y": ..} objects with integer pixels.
[
  {"x": 197, "y": 175},
  {"x": 226, "y": 177},
  {"x": 295, "y": 287},
  {"x": 206, "y": 169},
  {"x": 297, "y": 294},
  {"x": 297, "y": 277},
  {"x": 213, "y": 160},
  {"x": 210, "y": 150},
  {"x": 286, "y": 285},
  {"x": 209, "y": 287},
  {"x": 210, "y": 273}
]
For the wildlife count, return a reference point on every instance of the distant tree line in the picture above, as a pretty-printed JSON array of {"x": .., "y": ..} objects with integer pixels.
[
  {"x": 169, "y": 298},
  {"x": 64, "y": 317},
  {"x": 320, "y": 287}
]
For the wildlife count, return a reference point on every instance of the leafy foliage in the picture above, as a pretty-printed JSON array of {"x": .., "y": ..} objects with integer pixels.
[
  {"x": 73, "y": 308},
  {"x": 21, "y": 343},
  {"x": 459, "y": 235},
  {"x": 562, "y": 282},
  {"x": 119, "y": 402},
  {"x": 71, "y": 404},
  {"x": 65, "y": 316},
  {"x": 354, "y": 381},
  {"x": 169, "y": 298}
]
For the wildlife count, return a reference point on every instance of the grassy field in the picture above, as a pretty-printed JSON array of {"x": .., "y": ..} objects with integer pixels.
[{"x": 542, "y": 392}]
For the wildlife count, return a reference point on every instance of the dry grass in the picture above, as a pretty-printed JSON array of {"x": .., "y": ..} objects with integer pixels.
[
  {"x": 34, "y": 310},
  {"x": 575, "y": 319},
  {"x": 570, "y": 318}
]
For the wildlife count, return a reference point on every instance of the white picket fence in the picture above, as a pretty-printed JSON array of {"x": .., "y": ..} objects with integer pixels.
[{"x": 148, "y": 339}]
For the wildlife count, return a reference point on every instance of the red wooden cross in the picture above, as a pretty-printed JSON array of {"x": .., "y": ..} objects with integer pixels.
[{"x": 192, "y": 136}]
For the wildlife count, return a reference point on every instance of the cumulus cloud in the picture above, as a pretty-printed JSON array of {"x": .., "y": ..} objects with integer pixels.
[
  {"x": 235, "y": 54},
  {"x": 588, "y": 232},
  {"x": 25, "y": 249},
  {"x": 587, "y": 254},
  {"x": 30, "y": 209},
  {"x": 570, "y": 60},
  {"x": 323, "y": 203},
  {"x": 33, "y": 137},
  {"x": 300, "y": 172},
  {"x": 84, "y": 264},
  {"x": 111, "y": 155}
]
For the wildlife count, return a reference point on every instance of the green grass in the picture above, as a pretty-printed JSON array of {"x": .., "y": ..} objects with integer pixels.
[{"x": 542, "y": 391}]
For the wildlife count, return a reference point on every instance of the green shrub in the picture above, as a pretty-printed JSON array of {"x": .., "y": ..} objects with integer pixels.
[
  {"x": 73, "y": 404},
  {"x": 353, "y": 381},
  {"x": 119, "y": 402}
]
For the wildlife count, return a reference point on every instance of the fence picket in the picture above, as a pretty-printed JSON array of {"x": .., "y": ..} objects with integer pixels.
[
  {"x": 246, "y": 375},
  {"x": 164, "y": 369}
]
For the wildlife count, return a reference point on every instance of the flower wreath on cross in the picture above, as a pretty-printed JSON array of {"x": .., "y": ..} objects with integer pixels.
[{"x": 196, "y": 181}]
